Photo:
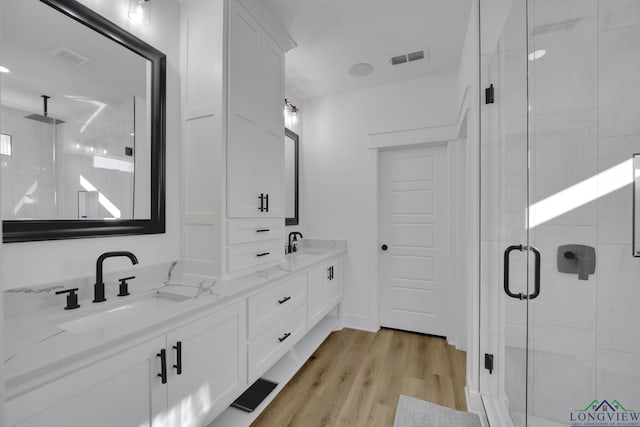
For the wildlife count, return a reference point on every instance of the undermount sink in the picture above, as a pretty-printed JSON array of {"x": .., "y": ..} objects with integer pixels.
[{"x": 108, "y": 314}]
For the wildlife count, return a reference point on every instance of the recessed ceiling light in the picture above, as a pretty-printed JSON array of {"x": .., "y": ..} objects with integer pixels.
[
  {"x": 360, "y": 69},
  {"x": 537, "y": 54},
  {"x": 4, "y": 69}
]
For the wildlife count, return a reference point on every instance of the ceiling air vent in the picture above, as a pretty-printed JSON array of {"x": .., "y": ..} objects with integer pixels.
[
  {"x": 70, "y": 56},
  {"x": 397, "y": 60},
  {"x": 415, "y": 56},
  {"x": 410, "y": 57}
]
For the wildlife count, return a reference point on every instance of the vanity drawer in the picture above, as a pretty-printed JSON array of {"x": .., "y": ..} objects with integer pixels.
[
  {"x": 244, "y": 257},
  {"x": 267, "y": 348},
  {"x": 271, "y": 305},
  {"x": 252, "y": 231}
]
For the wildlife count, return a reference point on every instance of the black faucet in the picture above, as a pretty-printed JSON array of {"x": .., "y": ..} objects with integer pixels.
[
  {"x": 98, "y": 288},
  {"x": 290, "y": 247}
]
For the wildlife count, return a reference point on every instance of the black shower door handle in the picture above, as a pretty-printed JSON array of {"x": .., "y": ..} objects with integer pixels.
[
  {"x": 507, "y": 290},
  {"x": 536, "y": 289}
]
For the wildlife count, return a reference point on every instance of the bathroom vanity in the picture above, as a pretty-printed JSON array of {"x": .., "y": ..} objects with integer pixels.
[{"x": 173, "y": 354}]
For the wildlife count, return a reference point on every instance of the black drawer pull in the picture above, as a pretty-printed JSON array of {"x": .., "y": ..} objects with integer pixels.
[
  {"x": 283, "y": 300},
  {"x": 263, "y": 254},
  {"x": 284, "y": 337},
  {"x": 262, "y": 230},
  {"x": 163, "y": 365},
  {"x": 178, "y": 365}
]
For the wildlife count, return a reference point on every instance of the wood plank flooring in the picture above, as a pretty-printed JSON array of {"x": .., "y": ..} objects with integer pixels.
[{"x": 355, "y": 379}]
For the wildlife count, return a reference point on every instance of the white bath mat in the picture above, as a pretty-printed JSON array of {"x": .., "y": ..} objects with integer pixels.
[{"x": 418, "y": 413}]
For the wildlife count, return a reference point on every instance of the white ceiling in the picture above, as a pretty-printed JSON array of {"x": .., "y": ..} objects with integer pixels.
[
  {"x": 31, "y": 31},
  {"x": 332, "y": 35}
]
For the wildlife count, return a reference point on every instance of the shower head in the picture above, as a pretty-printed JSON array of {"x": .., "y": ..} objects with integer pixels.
[{"x": 44, "y": 118}]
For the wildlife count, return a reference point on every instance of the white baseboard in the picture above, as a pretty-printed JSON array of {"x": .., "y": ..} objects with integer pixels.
[
  {"x": 359, "y": 322},
  {"x": 497, "y": 412},
  {"x": 474, "y": 405}
]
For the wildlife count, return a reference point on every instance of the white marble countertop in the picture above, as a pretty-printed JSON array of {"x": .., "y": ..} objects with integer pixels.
[{"x": 35, "y": 344}]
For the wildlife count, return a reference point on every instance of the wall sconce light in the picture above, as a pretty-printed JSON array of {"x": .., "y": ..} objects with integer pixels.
[
  {"x": 140, "y": 11},
  {"x": 290, "y": 114}
]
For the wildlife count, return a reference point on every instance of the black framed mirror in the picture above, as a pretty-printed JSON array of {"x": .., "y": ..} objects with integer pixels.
[
  {"x": 83, "y": 111},
  {"x": 291, "y": 170}
]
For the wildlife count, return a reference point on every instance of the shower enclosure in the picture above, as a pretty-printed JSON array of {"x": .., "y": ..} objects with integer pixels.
[{"x": 560, "y": 282}]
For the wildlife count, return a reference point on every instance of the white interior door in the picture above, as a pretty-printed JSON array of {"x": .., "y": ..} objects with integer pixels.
[{"x": 413, "y": 216}]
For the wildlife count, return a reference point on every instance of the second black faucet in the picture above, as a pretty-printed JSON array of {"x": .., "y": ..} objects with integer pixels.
[{"x": 98, "y": 287}]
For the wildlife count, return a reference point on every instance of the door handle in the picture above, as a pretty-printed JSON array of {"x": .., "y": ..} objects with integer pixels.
[
  {"x": 507, "y": 290},
  {"x": 384, "y": 247},
  {"x": 536, "y": 289},
  {"x": 163, "y": 365},
  {"x": 178, "y": 365}
]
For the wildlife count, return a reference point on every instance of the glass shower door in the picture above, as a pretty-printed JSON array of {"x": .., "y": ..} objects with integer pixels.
[
  {"x": 558, "y": 144},
  {"x": 584, "y": 114},
  {"x": 504, "y": 200}
]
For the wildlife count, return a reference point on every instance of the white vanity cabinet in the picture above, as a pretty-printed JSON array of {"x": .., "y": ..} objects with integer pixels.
[
  {"x": 277, "y": 321},
  {"x": 211, "y": 354},
  {"x": 120, "y": 390},
  {"x": 127, "y": 389},
  {"x": 325, "y": 289},
  {"x": 255, "y": 141}
]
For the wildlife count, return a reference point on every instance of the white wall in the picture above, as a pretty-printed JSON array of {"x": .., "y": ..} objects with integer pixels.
[
  {"x": 34, "y": 263},
  {"x": 338, "y": 196}
]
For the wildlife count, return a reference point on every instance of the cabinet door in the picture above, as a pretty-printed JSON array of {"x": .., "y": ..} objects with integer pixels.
[
  {"x": 213, "y": 366},
  {"x": 271, "y": 140},
  {"x": 244, "y": 115},
  {"x": 122, "y": 390},
  {"x": 334, "y": 285},
  {"x": 317, "y": 293}
]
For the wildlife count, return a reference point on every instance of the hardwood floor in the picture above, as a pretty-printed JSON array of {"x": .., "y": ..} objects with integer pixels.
[{"x": 355, "y": 379}]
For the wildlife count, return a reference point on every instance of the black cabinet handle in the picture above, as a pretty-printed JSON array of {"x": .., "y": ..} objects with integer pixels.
[
  {"x": 283, "y": 300},
  {"x": 284, "y": 337},
  {"x": 330, "y": 271},
  {"x": 163, "y": 365},
  {"x": 267, "y": 203},
  {"x": 178, "y": 365},
  {"x": 262, "y": 230},
  {"x": 261, "y": 197},
  {"x": 263, "y": 254}
]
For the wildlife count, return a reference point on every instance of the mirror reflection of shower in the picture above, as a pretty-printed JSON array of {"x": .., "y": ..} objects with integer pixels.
[
  {"x": 80, "y": 166},
  {"x": 75, "y": 128}
]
